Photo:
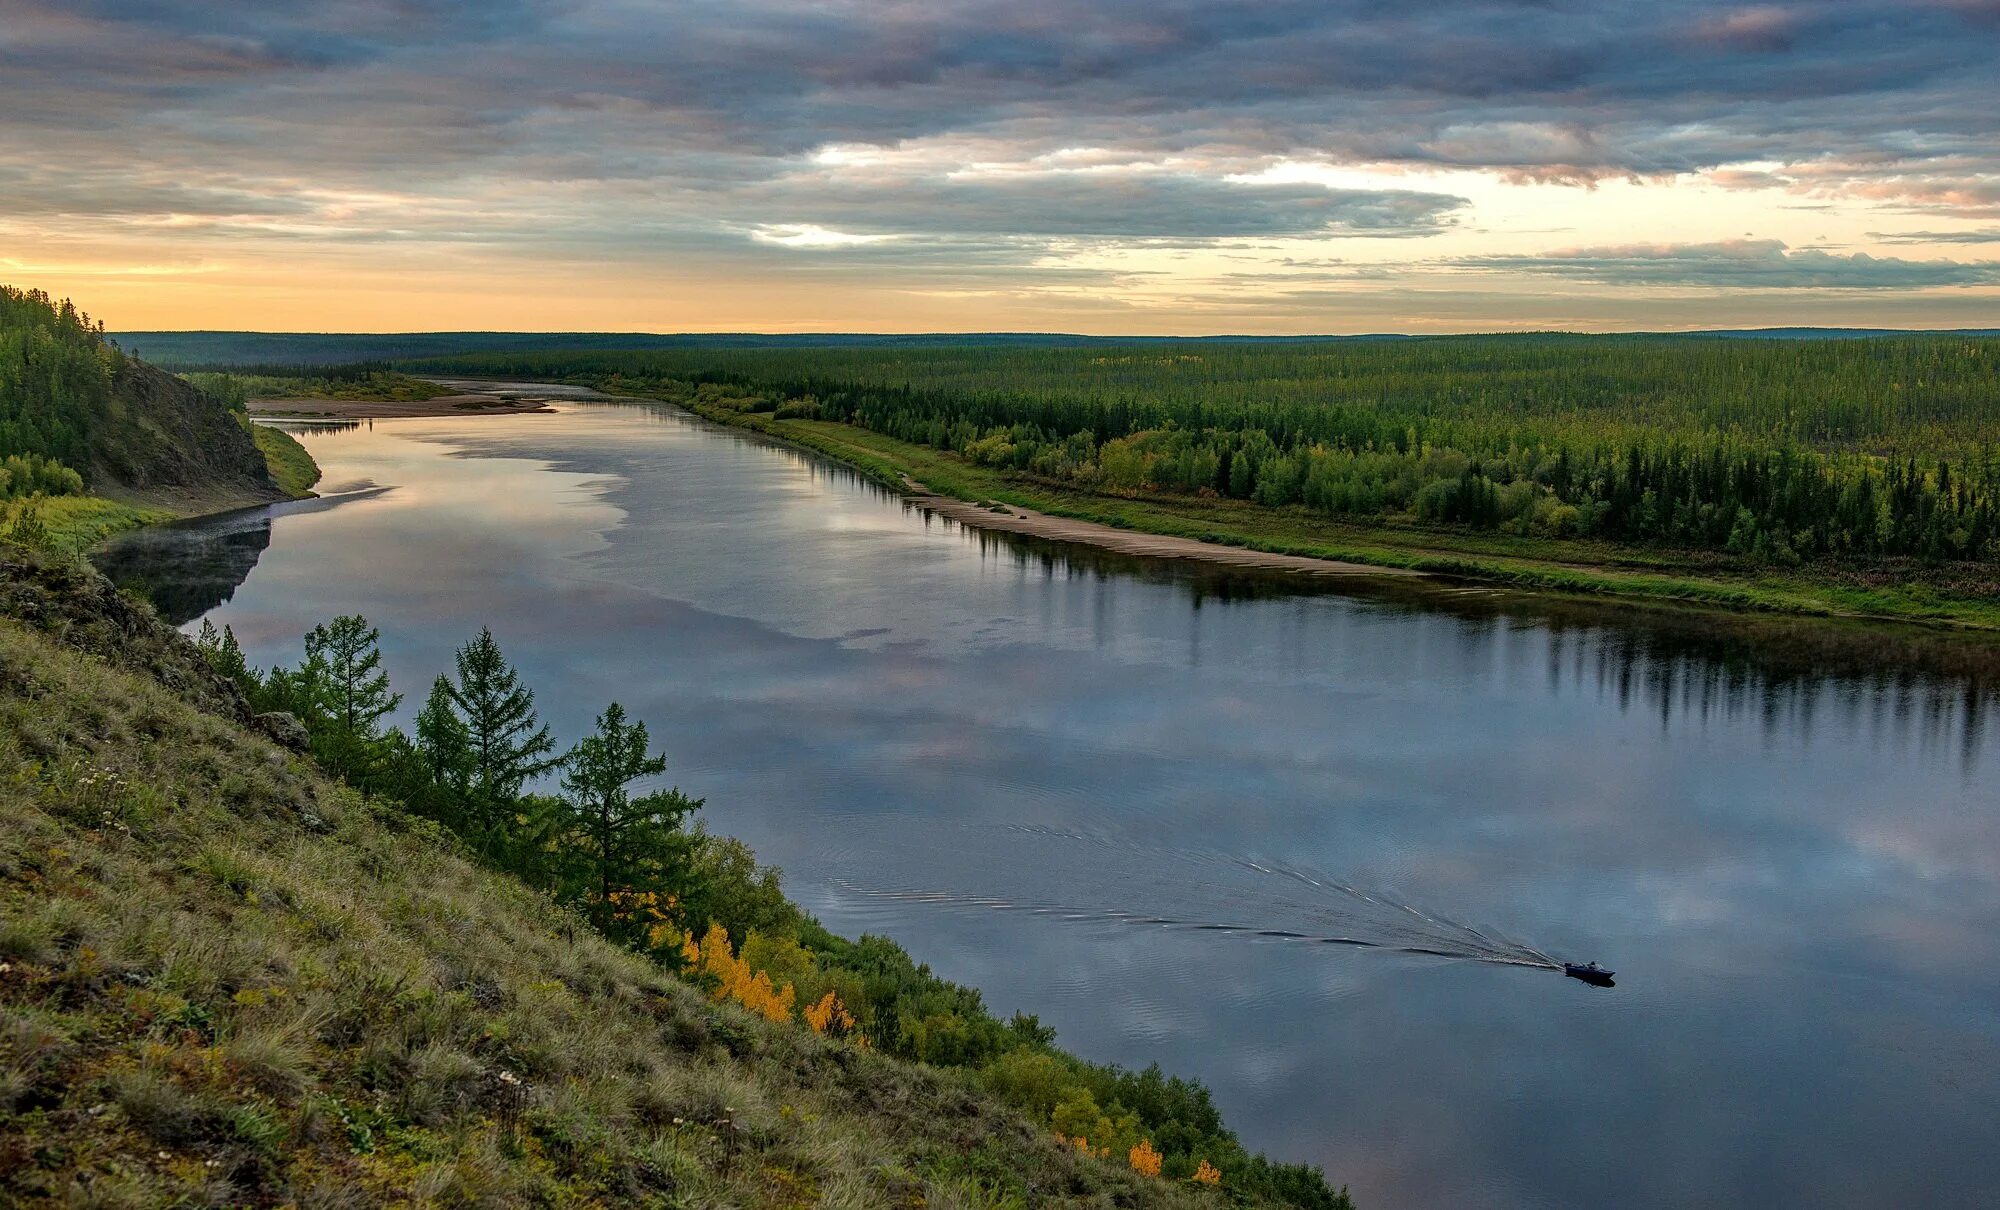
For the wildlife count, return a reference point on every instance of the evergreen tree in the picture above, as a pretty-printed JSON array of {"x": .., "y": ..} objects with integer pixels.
[
  {"x": 504, "y": 740},
  {"x": 443, "y": 743},
  {"x": 628, "y": 842},
  {"x": 345, "y": 695},
  {"x": 300, "y": 692},
  {"x": 356, "y": 689},
  {"x": 225, "y": 654}
]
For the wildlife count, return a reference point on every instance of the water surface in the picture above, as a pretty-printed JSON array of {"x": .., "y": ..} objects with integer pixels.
[{"x": 1057, "y": 775}]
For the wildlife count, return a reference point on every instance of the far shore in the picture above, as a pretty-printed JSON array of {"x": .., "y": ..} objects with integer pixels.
[
  {"x": 387, "y": 409},
  {"x": 1018, "y": 520}
]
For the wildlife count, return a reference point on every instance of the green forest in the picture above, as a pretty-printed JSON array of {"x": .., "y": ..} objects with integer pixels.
[
  {"x": 94, "y": 441},
  {"x": 56, "y": 376},
  {"x": 1780, "y": 451},
  {"x": 633, "y": 863},
  {"x": 363, "y": 380}
]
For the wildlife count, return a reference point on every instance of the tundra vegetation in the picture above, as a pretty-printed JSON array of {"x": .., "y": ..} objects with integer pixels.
[{"x": 1823, "y": 475}]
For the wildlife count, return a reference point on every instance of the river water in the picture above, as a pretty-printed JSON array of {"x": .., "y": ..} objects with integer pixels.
[{"x": 1136, "y": 798}]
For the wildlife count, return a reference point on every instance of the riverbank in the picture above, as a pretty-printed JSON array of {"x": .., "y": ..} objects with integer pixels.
[
  {"x": 1222, "y": 531},
  {"x": 1015, "y": 519},
  {"x": 71, "y": 525},
  {"x": 459, "y": 404}
]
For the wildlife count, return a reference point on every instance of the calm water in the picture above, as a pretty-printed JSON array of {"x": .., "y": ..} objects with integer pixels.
[{"x": 1045, "y": 771}]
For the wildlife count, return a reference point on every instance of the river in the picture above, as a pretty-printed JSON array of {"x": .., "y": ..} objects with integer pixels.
[{"x": 1136, "y": 798}]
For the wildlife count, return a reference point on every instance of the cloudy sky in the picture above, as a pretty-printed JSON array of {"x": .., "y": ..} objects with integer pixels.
[{"x": 1112, "y": 166}]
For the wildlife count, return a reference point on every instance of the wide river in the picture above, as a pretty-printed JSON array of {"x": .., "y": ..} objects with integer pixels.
[{"x": 1054, "y": 774}]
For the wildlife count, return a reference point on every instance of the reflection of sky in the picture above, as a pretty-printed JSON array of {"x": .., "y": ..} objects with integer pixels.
[{"x": 1797, "y": 877}]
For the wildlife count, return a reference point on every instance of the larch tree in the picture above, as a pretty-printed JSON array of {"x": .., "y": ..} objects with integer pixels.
[
  {"x": 342, "y": 678},
  {"x": 630, "y": 842},
  {"x": 505, "y": 742}
]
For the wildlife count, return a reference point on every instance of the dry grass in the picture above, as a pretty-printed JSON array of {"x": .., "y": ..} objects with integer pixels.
[{"x": 227, "y": 980}]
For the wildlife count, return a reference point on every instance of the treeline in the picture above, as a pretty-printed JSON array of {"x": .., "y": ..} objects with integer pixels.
[
  {"x": 1774, "y": 449},
  {"x": 634, "y": 863},
  {"x": 56, "y": 383},
  {"x": 371, "y": 380}
]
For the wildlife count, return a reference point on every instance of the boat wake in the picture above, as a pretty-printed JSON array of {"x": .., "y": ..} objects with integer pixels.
[{"x": 1217, "y": 892}]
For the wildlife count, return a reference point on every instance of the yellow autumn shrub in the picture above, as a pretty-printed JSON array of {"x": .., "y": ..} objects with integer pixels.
[{"x": 1144, "y": 1160}]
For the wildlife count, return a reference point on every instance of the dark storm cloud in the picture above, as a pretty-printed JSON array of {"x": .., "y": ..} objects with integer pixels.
[
  {"x": 1743, "y": 264},
  {"x": 702, "y": 115}
]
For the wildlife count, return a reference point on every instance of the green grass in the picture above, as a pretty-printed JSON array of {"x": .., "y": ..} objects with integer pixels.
[
  {"x": 74, "y": 524},
  {"x": 77, "y": 523},
  {"x": 1596, "y": 569},
  {"x": 291, "y": 466},
  {"x": 229, "y": 980}
]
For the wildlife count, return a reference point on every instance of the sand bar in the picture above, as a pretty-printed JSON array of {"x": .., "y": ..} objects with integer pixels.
[{"x": 1132, "y": 542}]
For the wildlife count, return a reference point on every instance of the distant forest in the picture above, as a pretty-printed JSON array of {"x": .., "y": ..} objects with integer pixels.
[
  {"x": 1778, "y": 449},
  {"x": 240, "y": 351}
]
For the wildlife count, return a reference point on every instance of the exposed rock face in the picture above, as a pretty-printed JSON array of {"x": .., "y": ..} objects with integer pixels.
[
  {"x": 165, "y": 439},
  {"x": 283, "y": 729}
]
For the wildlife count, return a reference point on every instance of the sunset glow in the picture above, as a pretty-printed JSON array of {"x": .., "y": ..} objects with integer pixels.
[{"x": 1193, "y": 166}]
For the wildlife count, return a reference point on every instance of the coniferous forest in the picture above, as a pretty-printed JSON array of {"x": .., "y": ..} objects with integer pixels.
[
  {"x": 56, "y": 375},
  {"x": 1781, "y": 450}
]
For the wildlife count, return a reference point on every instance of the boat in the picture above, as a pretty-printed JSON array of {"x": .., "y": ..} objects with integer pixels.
[{"x": 1589, "y": 972}]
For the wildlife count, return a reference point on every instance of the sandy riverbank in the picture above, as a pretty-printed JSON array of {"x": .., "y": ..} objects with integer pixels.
[{"x": 1132, "y": 542}]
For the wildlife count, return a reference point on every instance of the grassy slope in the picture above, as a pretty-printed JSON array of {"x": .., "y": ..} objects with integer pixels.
[
  {"x": 77, "y": 523},
  {"x": 226, "y": 980},
  {"x": 292, "y": 468},
  {"x": 1523, "y": 563}
]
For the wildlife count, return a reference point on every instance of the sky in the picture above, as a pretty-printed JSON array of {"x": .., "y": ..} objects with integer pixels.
[{"x": 1126, "y": 166}]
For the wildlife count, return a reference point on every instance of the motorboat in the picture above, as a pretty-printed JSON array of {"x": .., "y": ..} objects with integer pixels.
[{"x": 1589, "y": 972}]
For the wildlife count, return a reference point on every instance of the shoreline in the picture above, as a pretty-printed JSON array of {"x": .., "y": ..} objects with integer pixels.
[
  {"x": 1015, "y": 519},
  {"x": 467, "y": 404},
  {"x": 87, "y": 523},
  {"x": 890, "y": 463}
]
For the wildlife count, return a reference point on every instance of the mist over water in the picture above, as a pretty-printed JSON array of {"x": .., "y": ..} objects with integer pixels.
[{"x": 1133, "y": 797}]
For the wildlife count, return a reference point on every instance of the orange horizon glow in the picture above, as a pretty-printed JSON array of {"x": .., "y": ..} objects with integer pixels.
[{"x": 1099, "y": 168}]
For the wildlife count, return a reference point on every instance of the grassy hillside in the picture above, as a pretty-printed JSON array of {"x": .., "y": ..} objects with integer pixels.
[
  {"x": 292, "y": 469},
  {"x": 131, "y": 432},
  {"x": 228, "y": 979},
  {"x": 93, "y": 441}
]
